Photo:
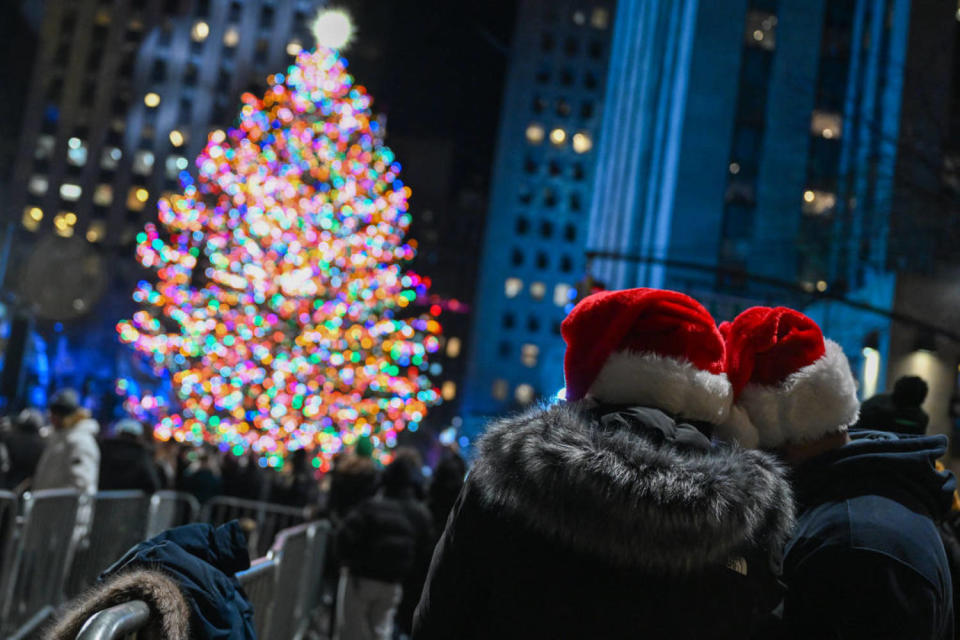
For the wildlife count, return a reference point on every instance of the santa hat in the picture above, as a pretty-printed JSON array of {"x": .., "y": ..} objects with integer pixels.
[
  {"x": 792, "y": 384},
  {"x": 649, "y": 347}
]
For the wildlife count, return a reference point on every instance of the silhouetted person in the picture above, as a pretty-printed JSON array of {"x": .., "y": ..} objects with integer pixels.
[
  {"x": 447, "y": 482},
  {"x": 899, "y": 411},
  {"x": 24, "y": 447},
  {"x": 202, "y": 478},
  {"x": 126, "y": 462},
  {"x": 296, "y": 486}
]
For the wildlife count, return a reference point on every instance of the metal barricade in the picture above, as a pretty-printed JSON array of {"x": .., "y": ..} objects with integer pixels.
[
  {"x": 117, "y": 622},
  {"x": 41, "y": 556},
  {"x": 259, "y": 583},
  {"x": 267, "y": 519},
  {"x": 119, "y": 522},
  {"x": 9, "y": 508},
  {"x": 170, "y": 509}
]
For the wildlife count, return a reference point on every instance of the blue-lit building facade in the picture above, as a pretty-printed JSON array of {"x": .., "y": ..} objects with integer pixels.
[{"x": 535, "y": 236}]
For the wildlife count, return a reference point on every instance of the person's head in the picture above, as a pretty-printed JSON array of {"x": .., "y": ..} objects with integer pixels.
[
  {"x": 363, "y": 447},
  {"x": 404, "y": 474},
  {"x": 129, "y": 429},
  {"x": 28, "y": 421},
  {"x": 63, "y": 404},
  {"x": 647, "y": 347},
  {"x": 909, "y": 391},
  {"x": 793, "y": 387}
]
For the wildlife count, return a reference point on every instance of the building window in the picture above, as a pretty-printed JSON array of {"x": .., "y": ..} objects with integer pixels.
[
  {"x": 516, "y": 258},
  {"x": 761, "y": 30},
  {"x": 136, "y": 198},
  {"x": 546, "y": 229},
  {"x": 152, "y": 100},
  {"x": 294, "y": 47},
  {"x": 582, "y": 142},
  {"x": 554, "y": 168},
  {"x": 110, "y": 157},
  {"x": 38, "y": 185},
  {"x": 263, "y": 45},
  {"x": 103, "y": 195},
  {"x": 571, "y": 46},
  {"x": 575, "y": 204},
  {"x": 64, "y": 222},
  {"x": 561, "y": 294},
  {"x": 526, "y": 196},
  {"x": 174, "y": 165},
  {"x": 453, "y": 347},
  {"x": 578, "y": 171},
  {"x": 586, "y": 110},
  {"x": 566, "y": 77},
  {"x": 570, "y": 233},
  {"x": 595, "y": 50},
  {"x": 562, "y": 108},
  {"x": 538, "y": 105},
  {"x": 546, "y": 42},
  {"x": 600, "y": 18},
  {"x": 522, "y": 226},
  {"x": 827, "y": 125},
  {"x": 32, "y": 217},
  {"x": 529, "y": 354},
  {"x": 76, "y": 152},
  {"x": 579, "y": 18},
  {"x": 500, "y": 388},
  {"x": 504, "y": 349},
  {"x": 549, "y": 198},
  {"x": 449, "y": 390},
  {"x": 534, "y": 133},
  {"x": 177, "y": 138},
  {"x": 566, "y": 264},
  {"x": 231, "y": 37},
  {"x": 96, "y": 231},
  {"x": 537, "y": 290},
  {"x": 44, "y": 147},
  {"x": 512, "y": 287},
  {"x": 509, "y": 321},
  {"x": 530, "y": 166},
  {"x": 533, "y": 323},
  {"x": 818, "y": 203},
  {"x": 542, "y": 262},
  {"x": 590, "y": 80},
  {"x": 524, "y": 394},
  {"x": 70, "y": 192},
  {"x": 143, "y": 162}
]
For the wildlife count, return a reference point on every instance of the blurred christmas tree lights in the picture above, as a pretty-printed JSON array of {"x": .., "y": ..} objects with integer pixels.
[{"x": 280, "y": 305}]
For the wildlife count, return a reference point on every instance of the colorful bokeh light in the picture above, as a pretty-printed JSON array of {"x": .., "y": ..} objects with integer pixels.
[{"x": 280, "y": 305}]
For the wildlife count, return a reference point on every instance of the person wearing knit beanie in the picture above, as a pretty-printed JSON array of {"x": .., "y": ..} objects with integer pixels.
[
  {"x": 615, "y": 513},
  {"x": 865, "y": 559}
]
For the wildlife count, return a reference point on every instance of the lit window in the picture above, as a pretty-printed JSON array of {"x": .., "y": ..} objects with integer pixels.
[
  {"x": 176, "y": 138},
  {"x": 231, "y": 37},
  {"x": 294, "y": 47},
  {"x": 96, "y": 231},
  {"x": 143, "y": 162},
  {"x": 38, "y": 185},
  {"x": 579, "y": 18},
  {"x": 76, "y": 152},
  {"x": 529, "y": 354},
  {"x": 600, "y": 18},
  {"x": 32, "y": 216},
  {"x": 826, "y": 125},
  {"x": 111, "y": 156},
  {"x": 500, "y": 389},
  {"x": 151, "y": 99},
  {"x": 174, "y": 165},
  {"x": 821, "y": 285},
  {"x": 561, "y": 294},
  {"x": 200, "y": 31},
  {"x": 103, "y": 195},
  {"x": 449, "y": 390},
  {"x": 63, "y": 223},
  {"x": 453, "y": 347},
  {"x": 734, "y": 168},
  {"x": 523, "y": 394},
  {"x": 136, "y": 198},
  {"x": 761, "y": 30},
  {"x": 558, "y": 136},
  {"x": 582, "y": 142},
  {"x": 71, "y": 192},
  {"x": 535, "y": 134},
  {"x": 818, "y": 203},
  {"x": 513, "y": 287},
  {"x": 44, "y": 146},
  {"x": 538, "y": 290}
]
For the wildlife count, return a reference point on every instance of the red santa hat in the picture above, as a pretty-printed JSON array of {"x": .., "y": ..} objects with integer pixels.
[
  {"x": 649, "y": 347},
  {"x": 792, "y": 384}
]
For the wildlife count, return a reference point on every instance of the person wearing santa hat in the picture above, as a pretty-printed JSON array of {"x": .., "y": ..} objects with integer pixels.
[
  {"x": 865, "y": 560},
  {"x": 614, "y": 514}
]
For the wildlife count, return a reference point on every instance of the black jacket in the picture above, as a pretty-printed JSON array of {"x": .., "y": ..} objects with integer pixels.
[
  {"x": 578, "y": 522},
  {"x": 126, "y": 463},
  {"x": 202, "y": 562},
  {"x": 879, "y": 413},
  {"x": 24, "y": 449},
  {"x": 866, "y": 560}
]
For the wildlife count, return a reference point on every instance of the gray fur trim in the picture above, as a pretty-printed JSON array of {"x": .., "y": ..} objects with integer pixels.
[
  {"x": 169, "y": 613},
  {"x": 617, "y": 495}
]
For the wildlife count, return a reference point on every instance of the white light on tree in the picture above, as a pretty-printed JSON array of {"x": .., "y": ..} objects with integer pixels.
[{"x": 333, "y": 28}]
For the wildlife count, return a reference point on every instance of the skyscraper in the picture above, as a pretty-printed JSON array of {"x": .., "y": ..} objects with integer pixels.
[{"x": 536, "y": 226}]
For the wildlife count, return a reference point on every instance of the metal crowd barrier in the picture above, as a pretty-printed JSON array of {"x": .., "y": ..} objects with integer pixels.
[
  {"x": 278, "y": 586},
  {"x": 119, "y": 522},
  {"x": 268, "y": 519},
  {"x": 170, "y": 509},
  {"x": 40, "y": 556}
]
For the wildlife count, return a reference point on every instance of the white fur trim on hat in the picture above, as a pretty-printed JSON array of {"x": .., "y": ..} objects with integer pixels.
[
  {"x": 738, "y": 428},
  {"x": 818, "y": 399},
  {"x": 675, "y": 386}
]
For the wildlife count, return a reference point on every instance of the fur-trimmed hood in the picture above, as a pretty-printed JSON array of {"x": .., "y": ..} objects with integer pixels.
[
  {"x": 169, "y": 613},
  {"x": 633, "y": 486}
]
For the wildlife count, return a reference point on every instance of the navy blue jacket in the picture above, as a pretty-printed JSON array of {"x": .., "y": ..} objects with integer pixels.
[
  {"x": 203, "y": 561},
  {"x": 866, "y": 560}
]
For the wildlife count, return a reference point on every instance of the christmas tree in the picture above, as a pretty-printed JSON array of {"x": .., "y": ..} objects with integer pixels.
[{"x": 280, "y": 304}]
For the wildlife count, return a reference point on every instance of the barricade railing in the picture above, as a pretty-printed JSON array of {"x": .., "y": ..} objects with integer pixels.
[
  {"x": 9, "y": 510},
  {"x": 277, "y": 586},
  {"x": 119, "y": 522},
  {"x": 267, "y": 519},
  {"x": 41, "y": 556},
  {"x": 170, "y": 509}
]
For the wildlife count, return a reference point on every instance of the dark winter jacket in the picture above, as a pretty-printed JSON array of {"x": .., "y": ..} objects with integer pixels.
[
  {"x": 382, "y": 538},
  {"x": 426, "y": 538},
  {"x": 578, "y": 522},
  {"x": 866, "y": 560},
  {"x": 24, "y": 449},
  {"x": 354, "y": 479},
  {"x": 879, "y": 413},
  {"x": 202, "y": 562},
  {"x": 126, "y": 463}
]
